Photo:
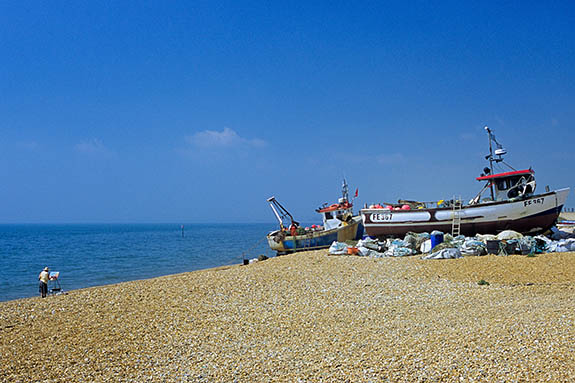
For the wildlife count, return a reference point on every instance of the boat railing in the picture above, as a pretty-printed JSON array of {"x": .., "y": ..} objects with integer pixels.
[{"x": 417, "y": 205}]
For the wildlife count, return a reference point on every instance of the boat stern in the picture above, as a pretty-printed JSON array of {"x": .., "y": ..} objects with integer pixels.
[{"x": 351, "y": 232}]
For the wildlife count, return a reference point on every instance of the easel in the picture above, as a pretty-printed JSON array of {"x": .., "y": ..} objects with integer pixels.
[{"x": 54, "y": 283}]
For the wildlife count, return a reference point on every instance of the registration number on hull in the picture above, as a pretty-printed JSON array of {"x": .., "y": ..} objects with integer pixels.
[
  {"x": 380, "y": 217},
  {"x": 534, "y": 201}
]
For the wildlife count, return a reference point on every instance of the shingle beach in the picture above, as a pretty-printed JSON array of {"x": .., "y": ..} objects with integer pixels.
[{"x": 307, "y": 317}]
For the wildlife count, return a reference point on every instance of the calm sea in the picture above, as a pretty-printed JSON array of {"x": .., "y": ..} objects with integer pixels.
[{"x": 99, "y": 254}]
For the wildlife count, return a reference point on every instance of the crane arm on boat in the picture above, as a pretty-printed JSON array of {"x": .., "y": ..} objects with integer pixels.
[{"x": 281, "y": 213}]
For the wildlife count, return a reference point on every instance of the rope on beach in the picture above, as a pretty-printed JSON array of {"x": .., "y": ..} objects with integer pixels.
[{"x": 253, "y": 247}]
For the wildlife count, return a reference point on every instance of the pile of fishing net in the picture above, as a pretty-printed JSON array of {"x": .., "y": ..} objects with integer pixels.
[{"x": 505, "y": 243}]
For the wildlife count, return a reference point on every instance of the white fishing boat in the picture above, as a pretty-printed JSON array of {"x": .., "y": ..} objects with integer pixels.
[{"x": 511, "y": 205}]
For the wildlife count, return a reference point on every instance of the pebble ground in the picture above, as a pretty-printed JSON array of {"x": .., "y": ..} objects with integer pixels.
[{"x": 307, "y": 317}]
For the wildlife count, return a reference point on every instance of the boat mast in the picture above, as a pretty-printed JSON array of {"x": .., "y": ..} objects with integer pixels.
[
  {"x": 490, "y": 162},
  {"x": 344, "y": 190}
]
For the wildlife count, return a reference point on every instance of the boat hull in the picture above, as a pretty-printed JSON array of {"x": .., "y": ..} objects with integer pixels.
[
  {"x": 531, "y": 215},
  {"x": 315, "y": 239}
]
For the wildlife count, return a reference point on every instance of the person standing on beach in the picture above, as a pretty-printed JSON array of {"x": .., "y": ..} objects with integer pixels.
[{"x": 43, "y": 278}]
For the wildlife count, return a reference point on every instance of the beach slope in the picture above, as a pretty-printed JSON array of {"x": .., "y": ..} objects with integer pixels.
[{"x": 306, "y": 317}]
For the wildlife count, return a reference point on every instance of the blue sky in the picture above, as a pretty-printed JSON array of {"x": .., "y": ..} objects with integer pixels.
[{"x": 199, "y": 111}]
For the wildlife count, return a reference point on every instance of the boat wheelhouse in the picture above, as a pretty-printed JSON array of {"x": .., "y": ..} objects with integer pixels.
[{"x": 509, "y": 185}]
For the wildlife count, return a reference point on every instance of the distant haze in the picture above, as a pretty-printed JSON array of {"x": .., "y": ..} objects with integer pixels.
[{"x": 200, "y": 111}]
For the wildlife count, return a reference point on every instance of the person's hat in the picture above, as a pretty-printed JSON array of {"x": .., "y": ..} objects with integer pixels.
[{"x": 46, "y": 268}]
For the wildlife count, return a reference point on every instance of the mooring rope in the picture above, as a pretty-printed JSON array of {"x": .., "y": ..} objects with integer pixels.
[{"x": 253, "y": 247}]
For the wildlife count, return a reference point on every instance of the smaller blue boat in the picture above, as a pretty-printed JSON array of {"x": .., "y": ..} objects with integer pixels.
[{"x": 339, "y": 224}]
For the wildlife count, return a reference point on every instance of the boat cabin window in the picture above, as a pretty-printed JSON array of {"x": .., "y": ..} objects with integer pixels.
[
  {"x": 507, "y": 183},
  {"x": 515, "y": 186},
  {"x": 328, "y": 215},
  {"x": 502, "y": 185}
]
